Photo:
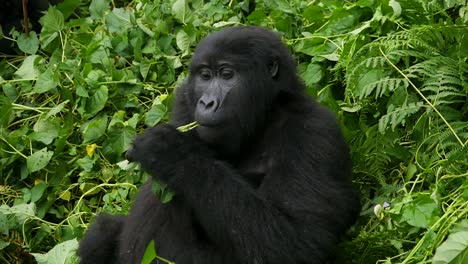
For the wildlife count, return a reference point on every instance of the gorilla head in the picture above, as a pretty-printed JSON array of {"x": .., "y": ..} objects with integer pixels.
[{"x": 235, "y": 75}]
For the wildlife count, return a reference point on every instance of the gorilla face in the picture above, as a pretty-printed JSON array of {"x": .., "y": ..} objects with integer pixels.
[
  {"x": 235, "y": 75},
  {"x": 217, "y": 89}
]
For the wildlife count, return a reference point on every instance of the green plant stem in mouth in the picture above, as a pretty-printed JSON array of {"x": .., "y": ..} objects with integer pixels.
[{"x": 188, "y": 127}]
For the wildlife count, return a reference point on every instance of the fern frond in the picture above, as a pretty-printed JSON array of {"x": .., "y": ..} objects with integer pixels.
[{"x": 398, "y": 115}]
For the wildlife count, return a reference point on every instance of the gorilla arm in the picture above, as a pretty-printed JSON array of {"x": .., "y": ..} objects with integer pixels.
[
  {"x": 242, "y": 221},
  {"x": 99, "y": 245}
]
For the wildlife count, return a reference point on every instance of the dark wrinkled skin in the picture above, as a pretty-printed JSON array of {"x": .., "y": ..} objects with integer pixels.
[{"x": 264, "y": 178}]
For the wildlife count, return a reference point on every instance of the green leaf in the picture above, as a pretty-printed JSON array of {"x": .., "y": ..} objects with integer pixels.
[
  {"x": 3, "y": 243},
  {"x": 118, "y": 140},
  {"x": 161, "y": 191},
  {"x": 86, "y": 163},
  {"x": 28, "y": 68},
  {"x": 97, "y": 8},
  {"x": 455, "y": 249},
  {"x": 313, "y": 13},
  {"x": 57, "y": 109},
  {"x": 145, "y": 67},
  {"x": 313, "y": 74},
  {"x": 395, "y": 6},
  {"x": 97, "y": 101},
  {"x": 181, "y": 11},
  {"x": 94, "y": 129},
  {"x": 280, "y": 5},
  {"x": 183, "y": 40},
  {"x": 28, "y": 43},
  {"x": 53, "y": 20},
  {"x": 21, "y": 212},
  {"x": 67, "y": 7},
  {"x": 47, "y": 81},
  {"x": 119, "y": 20},
  {"x": 421, "y": 212},
  {"x": 39, "y": 159},
  {"x": 155, "y": 114},
  {"x": 6, "y": 111},
  {"x": 37, "y": 191},
  {"x": 150, "y": 253},
  {"x": 46, "y": 130},
  {"x": 63, "y": 253}
]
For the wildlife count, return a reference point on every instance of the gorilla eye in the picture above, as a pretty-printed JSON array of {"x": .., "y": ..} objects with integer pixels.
[
  {"x": 226, "y": 73},
  {"x": 205, "y": 74}
]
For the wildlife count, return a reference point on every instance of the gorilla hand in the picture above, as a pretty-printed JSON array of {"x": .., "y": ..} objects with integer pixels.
[{"x": 161, "y": 149}]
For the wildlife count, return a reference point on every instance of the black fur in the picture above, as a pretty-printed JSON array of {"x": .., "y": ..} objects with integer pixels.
[{"x": 265, "y": 178}]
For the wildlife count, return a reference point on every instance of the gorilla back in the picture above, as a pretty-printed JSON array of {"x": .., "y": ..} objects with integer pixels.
[{"x": 264, "y": 178}]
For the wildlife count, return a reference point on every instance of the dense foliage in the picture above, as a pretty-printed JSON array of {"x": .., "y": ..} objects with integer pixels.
[{"x": 394, "y": 71}]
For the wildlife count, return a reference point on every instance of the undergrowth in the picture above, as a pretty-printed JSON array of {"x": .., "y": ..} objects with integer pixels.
[{"x": 98, "y": 72}]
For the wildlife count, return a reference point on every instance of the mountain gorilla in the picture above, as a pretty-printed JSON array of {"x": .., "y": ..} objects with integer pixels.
[{"x": 264, "y": 178}]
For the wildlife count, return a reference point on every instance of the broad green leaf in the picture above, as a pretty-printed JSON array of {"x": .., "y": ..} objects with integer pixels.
[
  {"x": 47, "y": 81},
  {"x": 410, "y": 171},
  {"x": 183, "y": 40},
  {"x": 63, "y": 253},
  {"x": 3, "y": 243},
  {"x": 313, "y": 13},
  {"x": 86, "y": 163},
  {"x": 97, "y": 8},
  {"x": 395, "y": 6},
  {"x": 155, "y": 114},
  {"x": 47, "y": 37},
  {"x": 39, "y": 159},
  {"x": 46, "y": 130},
  {"x": 53, "y": 20},
  {"x": 181, "y": 11},
  {"x": 97, "y": 101},
  {"x": 145, "y": 67},
  {"x": 57, "y": 109},
  {"x": 28, "y": 43},
  {"x": 119, "y": 20},
  {"x": 28, "y": 69},
  {"x": 37, "y": 191},
  {"x": 313, "y": 74},
  {"x": 67, "y": 7},
  {"x": 150, "y": 253},
  {"x": 65, "y": 195},
  {"x": 455, "y": 249},
  {"x": 94, "y": 129},
  {"x": 6, "y": 111},
  {"x": 280, "y": 5},
  {"x": 257, "y": 17},
  {"x": 21, "y": 212},
  {"x": 342, "y": 20},
  {"x": 421, "y": 212},
  {"x": 118, "y": 141}
]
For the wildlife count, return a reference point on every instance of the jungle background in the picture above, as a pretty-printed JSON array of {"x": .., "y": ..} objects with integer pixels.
[{"x": 77, "y": 90}]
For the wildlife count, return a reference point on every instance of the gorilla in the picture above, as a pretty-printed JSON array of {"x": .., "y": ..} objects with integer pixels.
[{"x": 264, "y": 178}]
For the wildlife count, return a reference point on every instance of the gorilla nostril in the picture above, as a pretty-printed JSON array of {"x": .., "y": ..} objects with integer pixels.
[{"x": 210, "y": 105}]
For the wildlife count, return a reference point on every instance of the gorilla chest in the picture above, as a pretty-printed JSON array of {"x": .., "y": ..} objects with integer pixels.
[{"x": 255, "y": 167}]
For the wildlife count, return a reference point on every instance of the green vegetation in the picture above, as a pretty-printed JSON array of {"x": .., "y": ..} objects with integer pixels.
[{"x": 394, "y": 71}]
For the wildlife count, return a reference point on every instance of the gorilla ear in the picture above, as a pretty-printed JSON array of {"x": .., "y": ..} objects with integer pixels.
[{"x": 273, "y": 67}]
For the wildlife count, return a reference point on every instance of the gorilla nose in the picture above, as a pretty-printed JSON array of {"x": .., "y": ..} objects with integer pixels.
[{"x": 208, "y": 104}]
